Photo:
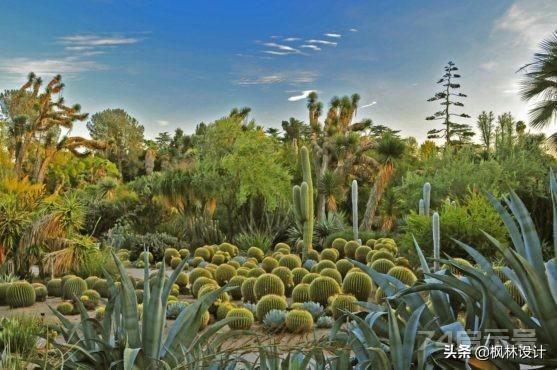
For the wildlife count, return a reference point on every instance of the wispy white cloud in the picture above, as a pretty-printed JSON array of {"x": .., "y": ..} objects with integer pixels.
[
  {"x": 272, "y": 52},
  {"x": 368, "y": 105},
  {"x": 322, "y": 42},
  {"x": 163, "y": 123},
  {"x": 489, "y": 65},
  {"x": 302, "y": 96},
  {"x": 290, "y": 77},
  {"x": 291, "y": 39},
  {"x": 353, "y": 30},
  {"x": 333, "y": 35},
  {"x": 50, "y": 66},
  {"x": 281, "y": 47},
  {"x": 97, "y": 40},
  {"x": 312, "y": 47},
  {"x": 260, "y": 80}
]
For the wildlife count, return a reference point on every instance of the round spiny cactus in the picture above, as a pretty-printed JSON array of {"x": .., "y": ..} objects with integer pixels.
[
  {"x": 313, "y": 254},
  {"x": 250, "y": 265},
  {"x": 405, "y": 275},
  {"x": 65, "y": 308},
  {"x": 330, "y": 254},
  {"x": 184, "y": 253},
  {"x": 93, "y": 296},
  {"x": 199, "y": 272},
  {"x": 460, "y": 262},
  {"x": 3, "y": 290},
  {"x": 182, "y": 280},
  {"x": 20, "y": 294},
  {"x": 339, "y": 244},
  {"x": 382, "y": 265},
  {"x": 256, "y": 253},
  {"x": 200, "y": 283},
  {"x": 99, "y": 313},
  {"x": 382, "y": 254},
  {"x": 290, "y": 261},
  {"x": 402, "y": 261},
  {"x": 150, "y": 257},
  {"x": 380, "y": 296},
  {"x": 369, "y": 256},
  {"x": 232, "y": 250},
  {"x": 54, "y": 287},
  {"x": 269, "y": 263},
  {"x": 268, "y": 303},
  {"x": 358, "y": 284},
  {"x": 209, "y": 288},
  {"x": 205, "y": 320},
  {"x": 361, "y": 253},
  {"x": 66, "y": 278},
  {"x": 370, "y": 243},
  {"x": 256, "y": 272},
  {"x": 322, "y": 288},
  {"x": 158, "y": 265},
  {"x": 350, "y": 249},
  {"x": 247, "y": 289},
  {"x": 242, "y": 271},
  {"x": 236, "y": 283},
  {"x": 91, "y": 280},
  {"x": 343, "y": 266},
  {"x": 170, "y": 253},
  {"x": 343, "y": 302},
  {"x": 298, "y": 274},
  {"x": 74, "y": 287},
  {"x": 101, "y": 286},
  {"x": 174, "y": 262},
  {"x": 321, "y": 265},
  {"x": 514, "y": 292},
  {"x": 282, "y": 246},
  {"x": 298, "y": 321},
  {"x": 219, "y": 259},
  {"x": 285, "y": 275},
  {"x": 242, "y": 319},
  {"x": 332, "y": 273},
  {"x": 40, "y": 292},
  {"x": 224, "y": 273},
  {"x": 195, "y": 261},
  {"x": 223, "y": 309},
  {"x": 308, "y": 278},
  {"x": 300, "y": 293},
  {"x": 268, "y": 284},
  {"x": 204, "y": 253}
]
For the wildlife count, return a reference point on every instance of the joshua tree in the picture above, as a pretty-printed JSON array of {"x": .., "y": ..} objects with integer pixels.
[
  {"x": 541, "y": 83},
  {"x": 447, "y": 98},
  {"x": 486, "y": 126}
]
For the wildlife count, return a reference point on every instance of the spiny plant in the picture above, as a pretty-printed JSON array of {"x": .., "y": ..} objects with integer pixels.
[{"x": 303, "y": 203}]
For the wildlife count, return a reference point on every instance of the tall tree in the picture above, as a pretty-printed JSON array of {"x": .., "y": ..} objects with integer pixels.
[
  {"x": 486, "y": 126},
  {"x": 447, "y": 98},
  {"x": 541, "y": 83},
  {"x": 124, "y": 138}
]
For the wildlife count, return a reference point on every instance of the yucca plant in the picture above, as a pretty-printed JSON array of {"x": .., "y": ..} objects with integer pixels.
[{"x": 121, "y": 341}]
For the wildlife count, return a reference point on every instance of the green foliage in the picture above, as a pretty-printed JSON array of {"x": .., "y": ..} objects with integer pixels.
[
  {"x": 382, "y": 265},
  {"x": 322, "y": 288},
  {"x": 40, "y": 292},
  {"x": 240, "y": 319},
  {"x": 291, "y": 261},
  {"x": 19, "y": 335},
  {"x": 65, "y": 308},
  {"x": 247, "y": 289},
  {"x": 343, "y": 302},
  {"x": 458, "y": 221},
  {"x": 224, "y": 273},
  {"x": 74, "y": 287},
  {"x": 300, "y": 293},
  {"x": 357, "y": 284},
  {"x": 298, "y": 321},
  {"x": 268, "y": 303},
  {"x": 54, "y": 287},
  {"x": 268, "y": 284},
  {"x": 405, "y": 275}
]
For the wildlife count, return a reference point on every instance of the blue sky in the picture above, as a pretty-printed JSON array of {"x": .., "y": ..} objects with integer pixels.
[{"x": 175, "y": 63}]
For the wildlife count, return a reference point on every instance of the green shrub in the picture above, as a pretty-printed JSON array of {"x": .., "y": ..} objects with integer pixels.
[
  {"x": 19, "y": 335},
  {"x": 463, "y": 221}
]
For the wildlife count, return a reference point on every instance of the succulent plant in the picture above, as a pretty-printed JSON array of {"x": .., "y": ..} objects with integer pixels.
[
  {"x": 343, "y": 302},
  {"x": 247, "y": 289},
  {"x": 200, "y": 283},
  {"x": 459, "y": 261},
  {"x": 330, "y": 254},
  {"x": 232, "y": 250},
  {"x": 224, "y": 273},
  {"x": 382, "y": 254},
  {"x": 173, "y": 309},
  {"x": 20, "y": 294},
  {"x": 314, "y": 308},
  {"x": 405, "y": 275},
  {"x": 199, "y": 272},
  {"x": 298, "y": 274},
  {"x": 382, "y": 265},
  {"x": 269, "y": 263},
  {"x": 350, "y": 248},
  {"x": 174, "y": 262},
  {"x": 308, "y": 278},
  {"x": 91, "y": 280},
  {"x": 74, "y": 287},
  {"x": 282, "y": 246},
  {"x": 274, "y": 319},
  {"x": 101, "y": 286},
  {"x": 298, "y": 321},
  {"x": 256, "y": 272},
  {"x": 358, "y": 284},
  {"x": 343, "y": 266},
  {"x": 203, "y": 252},
  {"x": 322, "y": 288},
  {"x": 339, "y": 244},
  {"x": 268, "y": 284},
  {"x": 321, "y": 265},
  {"x": 236, "y": 283},
  {"x": 370, "y": 243},
  {"x": 150, "y": 257},
  {"x": 54, "y": 287},
  {"x": 251, "y": 306},
  {"x": 268, "y": 303},
  {"x": 361, "y": 253},
  {"x": 325, "y": 322},
  {"x": 285, "y": 276},
  {"x": 40, "y": 292},
  {"x": 290, "y": 261},
  {"x": 514, "y": 292},
  {"x": 309, "y": 263},
  {"x": 170, "y": 253},
  {"x": 332, "y": 273},
  {"x": 93, "y": 296},
  {"x": 300, "y": 293},
  {"x": 184, "y": 253},
  {"x": 65, "y": 308},
  {"x": 380, "y": 296},
  {"x": 3, "y": 290},
  {"x": 242, "y": 318},
  {"x": 256, "y": 253},
  {"x": 223, "y": 309}
]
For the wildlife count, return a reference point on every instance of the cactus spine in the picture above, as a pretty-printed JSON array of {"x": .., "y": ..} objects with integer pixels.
[
  {"x": 303, "y": 203},
  {"x": 436, "y": 230},
  {"x": 426, "y": 197},
  {"x": 355, "y": 211}
]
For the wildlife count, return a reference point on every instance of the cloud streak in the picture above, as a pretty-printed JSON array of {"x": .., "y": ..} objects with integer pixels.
[
  {"x": 302, "y": 96},
  {"x": 334, "y": 35},
  {"x": 322, "y": 42},
  {"x": 97, "y": 40},
  {"x": 49, "y": 66},
  {"x": 368, "y": 105},
  {"x": 312, "y": 47}
]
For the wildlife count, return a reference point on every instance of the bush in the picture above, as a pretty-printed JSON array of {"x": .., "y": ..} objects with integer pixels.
[
  {"x": 156, "y": 242},
  {"x": 20, "y": 335},
  {"x": 463, "y": 222},
  {"x": 259, "y": 239}
]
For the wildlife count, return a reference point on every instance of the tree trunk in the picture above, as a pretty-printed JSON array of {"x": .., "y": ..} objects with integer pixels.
[
  {"x": 42, "y": 170},
  {"x": 371, "y": 207}
]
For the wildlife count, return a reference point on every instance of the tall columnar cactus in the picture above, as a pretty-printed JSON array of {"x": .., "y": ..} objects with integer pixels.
[
  {"x": 436, "y": 230},
  {"x": 421, "y": 207},
  {"x": 303, "y": 203},
  {"x": 355, "y": 211},
  {"x": 427, "y": 197}
]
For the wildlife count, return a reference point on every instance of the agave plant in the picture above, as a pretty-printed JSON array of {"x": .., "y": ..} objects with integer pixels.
[
  {"x": 464, "y": 309},
  {"x": 121, "y": 341}
]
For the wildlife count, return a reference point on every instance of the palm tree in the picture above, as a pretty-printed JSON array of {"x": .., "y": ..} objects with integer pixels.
[
  {"x": 541, "y": 83},
  {"x": 315, "y": 108}
]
